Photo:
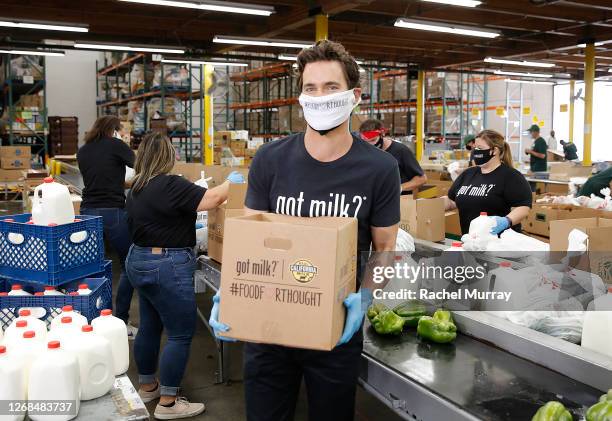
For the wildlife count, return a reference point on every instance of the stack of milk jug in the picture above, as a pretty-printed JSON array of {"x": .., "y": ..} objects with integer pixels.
[{"x": 71, "y": 357}]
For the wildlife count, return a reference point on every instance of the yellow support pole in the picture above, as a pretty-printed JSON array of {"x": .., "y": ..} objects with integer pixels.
[
  {"x": 420, "y": 117},
  {"x": 571, "y": 110},
  {"x": 208, "y": 130},
  {"x": 321, "y": 27},
  {"x": 589, "y": 77}
]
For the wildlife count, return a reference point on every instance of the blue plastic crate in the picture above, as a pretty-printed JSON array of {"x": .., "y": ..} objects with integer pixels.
[
  {"x": 33, "y": 253},
  {"x": 51, "y": 305}
]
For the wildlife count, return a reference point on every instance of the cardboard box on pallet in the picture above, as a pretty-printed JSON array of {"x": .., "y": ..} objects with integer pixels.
[
  {"x": 15, "y": 151},
  {"x": 599, "y": 244},
  {"x": 423, "y": 218},
  {"x": 285, "y": 279},
  {"x": 541, "y": 215},
  {"x": 15, "y": 163}
]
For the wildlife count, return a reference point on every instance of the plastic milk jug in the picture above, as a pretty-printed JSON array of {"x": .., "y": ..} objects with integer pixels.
[
  {"x": 115, "y": 331},
  {"x": 14, "y": 332},
  {"x": 34, "y": 324},
  {"x": 78, "y": 319},
  {"x": 18, "y": 291},
  {"x": 52, "y": 204},
  {"x": 27, "y": 350},
  {"x": 65, "y": 332},
  {"x": 84, "y": 289},
  {"x": 504, "y": 279},
  {"x": 49, "y": 290},
  {"x": 95, "y": 359},
  {"x": 597, "y": 326},
  {"x": 481, "y": 226},
  {"x": 13, "y": 386},
  {"x": 54, "y": 376}
]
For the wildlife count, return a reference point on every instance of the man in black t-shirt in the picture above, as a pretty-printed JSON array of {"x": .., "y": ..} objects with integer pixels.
[
  {"x": 323, "y": 172},
  {"x": 411, "y": 173}
]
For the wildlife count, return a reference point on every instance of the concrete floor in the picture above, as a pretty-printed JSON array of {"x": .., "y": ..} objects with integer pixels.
[{"x": 225, "y": 401}]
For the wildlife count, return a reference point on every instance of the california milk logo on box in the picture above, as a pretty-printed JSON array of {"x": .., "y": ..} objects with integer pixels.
[{"x": 303, "y": 271}]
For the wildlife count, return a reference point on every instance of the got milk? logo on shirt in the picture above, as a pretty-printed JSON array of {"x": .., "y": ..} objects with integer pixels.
[
  {"x": 337, "y": 205},
  {"x": 480, "y": 191}
]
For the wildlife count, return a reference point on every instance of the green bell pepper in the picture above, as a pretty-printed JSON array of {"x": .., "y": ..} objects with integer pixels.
[
  {"x": 440, "y": 328},
  {"x": 411, "y": 311},
  {"x": 601, "y": 411},
  {"x": 375, "y": 309},
  {"x": 606, "y": 397},
  {"x": 552, "y": 411},
  {"x": 388, "y": 323}
]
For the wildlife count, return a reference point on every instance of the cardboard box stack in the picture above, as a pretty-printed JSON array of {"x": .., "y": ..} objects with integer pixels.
[
  {"x": 28, "y": 114},
  {"x": 423, "y": 218},
  {"x": 285, "y": 279},
  {"x": 563, "y": 171},
  {"x": 217, "y": 217},
  {"x": 63, "y": 135},
  {"x": 599, "y": 244},
  {"x": 13, "y": 161}
]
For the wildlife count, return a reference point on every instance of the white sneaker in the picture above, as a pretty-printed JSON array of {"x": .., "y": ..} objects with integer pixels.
[
  {"x": 131, "y": 331},
  {"x": 182, "y": 408}
]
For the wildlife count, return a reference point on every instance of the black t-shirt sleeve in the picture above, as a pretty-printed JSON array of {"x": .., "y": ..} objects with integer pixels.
[
  {"x": 258, "y": 190},
  {"x": 452, "y": 192},
  {"x": 183, "y": 194},
  {"x": 126, "y": 155},
  {"x": 409, "y": 165},
  {"x": 540, "y": 146},
  {"x": 517, "y": 191},
  {"x": 386, "y": 207}
]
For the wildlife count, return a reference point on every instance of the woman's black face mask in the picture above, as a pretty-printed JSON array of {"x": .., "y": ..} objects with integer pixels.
[{"x": 481, "y": 156}]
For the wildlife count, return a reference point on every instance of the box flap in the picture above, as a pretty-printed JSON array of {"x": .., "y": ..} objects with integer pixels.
[{"x": 236, "y": 196}]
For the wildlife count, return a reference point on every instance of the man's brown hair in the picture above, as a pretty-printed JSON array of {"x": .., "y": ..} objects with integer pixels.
[
  {"x": 371, "y": 124},
  {"x": 326, "y": 50}
]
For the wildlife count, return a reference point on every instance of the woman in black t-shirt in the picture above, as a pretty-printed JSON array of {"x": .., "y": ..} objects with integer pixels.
[
  {"x": 492, "y": 186},
  {"x": 162, "y": 211},
  {"x": 102, "y": 161}
]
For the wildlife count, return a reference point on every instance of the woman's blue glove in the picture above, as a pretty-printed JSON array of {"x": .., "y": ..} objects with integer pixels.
[
  {"x": 356, "y": 305},
  {"x": 501, "y": 224},
  {"x": 236, "y": 178},
  {"x": 214, "y": 321}
]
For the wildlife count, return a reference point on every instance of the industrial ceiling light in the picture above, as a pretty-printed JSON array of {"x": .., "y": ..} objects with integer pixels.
[
  {"x": 597, "y": 44},
  {"x": 214, "y": 6},
  {"x": 518, "y": 62},
  {"x": 445, "y": 28},
  {"x": 34, "y": 53},
  {"x": 502, "y": 72},
  {"x": 532, "y": 82},
  {"x": 7, "y": 23},
  {"x": 222, "y": 39},
  {"x": 114, "y": 47},
  {"x": 201, "y": 62},
  {"x": 463, "y": 3}
]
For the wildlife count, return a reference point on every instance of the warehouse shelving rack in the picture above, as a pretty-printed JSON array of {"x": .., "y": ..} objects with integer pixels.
[
  {"x": 262, "y": 91},
  {"x": 18, "y": 133},
  {"x": 191, "y": 96}
]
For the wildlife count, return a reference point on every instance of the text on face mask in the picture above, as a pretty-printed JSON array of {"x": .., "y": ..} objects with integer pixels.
[{"x": 326, "y": 106}]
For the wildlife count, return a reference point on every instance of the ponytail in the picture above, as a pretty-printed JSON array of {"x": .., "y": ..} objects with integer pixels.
[{"x": 506, "y": 155}]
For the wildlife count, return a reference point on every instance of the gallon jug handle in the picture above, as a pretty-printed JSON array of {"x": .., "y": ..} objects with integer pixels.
[
  {"x": 79, "y": 237},
  {"x": 16, "y": 238}
]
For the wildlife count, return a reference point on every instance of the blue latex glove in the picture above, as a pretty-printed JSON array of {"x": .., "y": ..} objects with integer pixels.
[
  {"x": 236, "y": 178},
  {"x": 501, "y": 224},
  {"x": 356, "y": 305},
  {"x": 214, "y": 321}
]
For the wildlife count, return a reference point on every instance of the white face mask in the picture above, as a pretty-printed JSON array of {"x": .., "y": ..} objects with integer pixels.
[
  {"x": 116, "y": 134},
  {"x": 324, "y": 113}
]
